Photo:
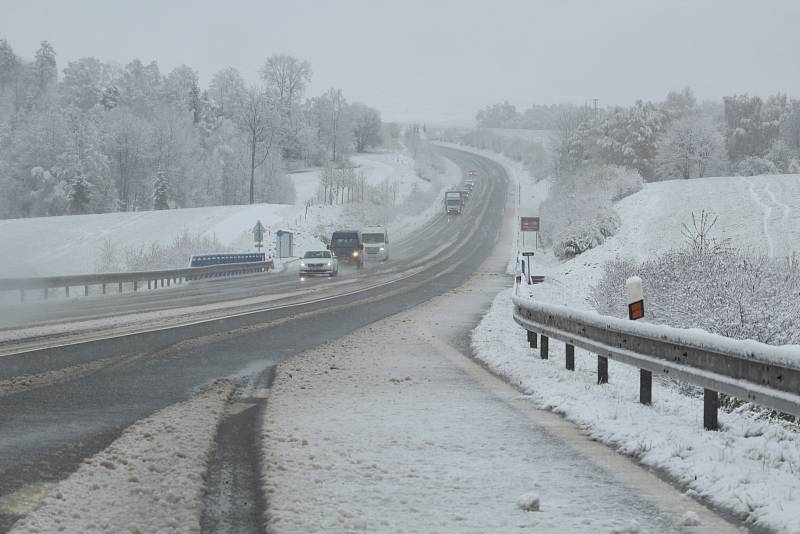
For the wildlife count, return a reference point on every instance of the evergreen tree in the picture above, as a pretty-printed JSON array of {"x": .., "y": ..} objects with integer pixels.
[
  {"x": 79, "y": 195},
  {"x": 161, "y": 191}
]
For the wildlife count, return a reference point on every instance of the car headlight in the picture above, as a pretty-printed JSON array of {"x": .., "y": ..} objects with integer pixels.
[
  {"x": 329, "y": 264},
  {"x": 382, "y": 249},
  {"x": 302, "y": 264},
  {"x": 355, "y": 254}
]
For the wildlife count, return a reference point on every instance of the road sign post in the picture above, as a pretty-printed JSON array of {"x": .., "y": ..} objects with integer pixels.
[
  {"x": 529, "y": 224},
  {"x": 258, "y": 235}
]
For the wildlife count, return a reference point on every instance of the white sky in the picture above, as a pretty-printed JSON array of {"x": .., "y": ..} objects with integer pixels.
[{"x": 442, "y": 59}]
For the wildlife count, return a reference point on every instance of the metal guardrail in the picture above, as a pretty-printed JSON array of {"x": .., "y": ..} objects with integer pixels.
[
  {"x": 762, "y": 374},
  {"x": 165, "y": 277}
]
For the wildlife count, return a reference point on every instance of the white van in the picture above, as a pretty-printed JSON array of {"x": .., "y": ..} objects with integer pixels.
[{"x": 376, "y": 243}]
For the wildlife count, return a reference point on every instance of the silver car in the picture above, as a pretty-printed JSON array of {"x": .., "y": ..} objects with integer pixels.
[{"x": 316, "y": 262}]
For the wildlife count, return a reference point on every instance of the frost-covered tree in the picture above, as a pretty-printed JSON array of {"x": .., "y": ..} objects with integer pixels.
[
  {"x": 43, "y": 71},
  {"x": 227, "y": 92},
  {"x": 366, "y": 126},
  {"x": 628, "y": 137},
  {"x": 690, "y": 147},
  {"x": 160, "y": 191},
  {"x": 286, "y": 79},
  {"x": 679, "y": 104},
  {"x": 502, "y": 115},
  {"x": 79, "y": 195},
  {"x": 329, "y": 114},
  {"x": 259, "y": 122},
  {"x": 752, "y": 125},
  {"x": 84, "y": 82}
]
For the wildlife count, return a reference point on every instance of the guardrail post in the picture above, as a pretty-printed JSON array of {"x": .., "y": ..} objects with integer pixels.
[
  {"x": 570, "y": 357},
  {"x": 104, "y": 289},
  {"x": 544, "y": 352},
  {"x": 120, "y": 287},
  {"x": 135, "y": 285},
  {"x": 67, "y": 290},
  {"x": 148, "y": 284},
  {"x": 86, "y": 290},
  {"x": 532, "y": 337},
  {"x": 168, "y": 281},
  {"x": 602, "y": 369},
  {"x": 710, "y": 407},
  {"x": 645, "y": 387}
]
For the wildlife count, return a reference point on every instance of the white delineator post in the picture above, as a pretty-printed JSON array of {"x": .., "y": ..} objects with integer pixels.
[{"x": 635, "y": 299}]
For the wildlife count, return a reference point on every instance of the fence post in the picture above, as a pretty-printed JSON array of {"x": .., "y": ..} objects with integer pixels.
[
  {"x": 710, "y": 407},
  {"x": 532, "y": 337},
  {"x": 602, "y": 369},
  {"x": 544, "y": 352},
  {"x": 635, "y": 297},
  {"x": 570, "y": 357},
  {"x": 645, "y": 387}
]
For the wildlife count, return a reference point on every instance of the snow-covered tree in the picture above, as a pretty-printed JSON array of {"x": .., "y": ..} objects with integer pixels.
[
  {"x": 628, "y": 137},
  {"x": 690, "y": 147},
  {"x": 366, "y": 126},
  {"x": 160, "y": 191},
  {"x": 84, "y": 82},
  {"x": 259, "y": 122},
  {"x": 502, "y": 115},
  {"x": 79, "y": 195}
]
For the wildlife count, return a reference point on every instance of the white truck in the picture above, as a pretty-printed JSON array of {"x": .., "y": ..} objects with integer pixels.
[
  {"x": 376, "y": 243},
  {"x": 454, "y": 202}
]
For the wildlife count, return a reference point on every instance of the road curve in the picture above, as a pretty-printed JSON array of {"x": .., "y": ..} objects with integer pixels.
[{"x": 76, "y": 399}]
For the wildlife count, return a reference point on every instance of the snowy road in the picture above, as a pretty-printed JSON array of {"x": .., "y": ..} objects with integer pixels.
[
  {"x": 59, "y": 407},
  {"x": 395, "y": 429}
]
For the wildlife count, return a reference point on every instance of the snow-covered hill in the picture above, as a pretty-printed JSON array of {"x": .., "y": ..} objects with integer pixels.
[
  {"x": 758, "y": 213},
  {"x": 71, "y": 244}
]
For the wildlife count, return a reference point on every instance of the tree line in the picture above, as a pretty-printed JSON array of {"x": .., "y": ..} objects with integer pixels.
[
  {"x": 678, "y": 137},
  {"x": 99, "y": 137}
]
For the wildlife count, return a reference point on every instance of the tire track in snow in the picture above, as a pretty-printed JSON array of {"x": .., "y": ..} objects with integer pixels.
[
  {"x": 787, "y": 210},
  {"x": 766, "y": 211}
]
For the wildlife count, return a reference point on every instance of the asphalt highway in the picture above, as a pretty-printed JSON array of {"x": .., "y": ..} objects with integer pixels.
[{"x": 75, "y": 399}]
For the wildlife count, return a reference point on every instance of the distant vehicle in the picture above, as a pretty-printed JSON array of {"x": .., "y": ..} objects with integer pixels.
[
  {"x": 348, "y": 247},
  {"x": 454, "y": 202},
  {"x": 472, "y": 172},
  {"x": 376, "y": 243},
  {"x": 469, "y": 185},
  {"x": 319, "y": 262}
]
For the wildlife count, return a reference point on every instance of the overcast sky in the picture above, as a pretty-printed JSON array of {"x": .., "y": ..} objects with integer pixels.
[{"x": 439, "y": 59}]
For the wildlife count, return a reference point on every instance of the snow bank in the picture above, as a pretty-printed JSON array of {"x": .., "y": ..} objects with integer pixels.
[
  {"x": 150, "y": 479},
  {"x": 749, "y": 467}
]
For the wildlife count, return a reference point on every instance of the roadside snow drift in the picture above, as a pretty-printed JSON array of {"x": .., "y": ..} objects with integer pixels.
[{"x": 150, "y": 479}]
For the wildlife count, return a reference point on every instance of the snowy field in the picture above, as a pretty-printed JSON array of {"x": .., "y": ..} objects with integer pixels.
[
  {"x": 71, "y": 244},
  {"x": 750, "y": 466}
]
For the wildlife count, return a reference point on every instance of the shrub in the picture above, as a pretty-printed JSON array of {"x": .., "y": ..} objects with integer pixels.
[
  {"x": 722, "y": 290},
  {"x": 754, "y": 166}
]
